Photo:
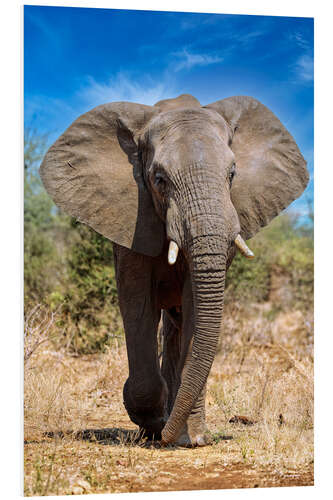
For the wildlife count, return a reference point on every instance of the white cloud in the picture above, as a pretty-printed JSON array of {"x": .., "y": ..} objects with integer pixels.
[
  {"x": 123, "y": 88},
  {"x": 55, "y": 115},
  {"x": 300, "y": 40},
  {"x": 186, "y": 60},
  {"x": 197, "y": 21},
  {"x": 304, "y": 68},
  {"x": 249, "y": 37}
]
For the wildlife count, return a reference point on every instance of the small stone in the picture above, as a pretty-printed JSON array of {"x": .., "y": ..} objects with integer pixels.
[{"x": 81, "y": 486}]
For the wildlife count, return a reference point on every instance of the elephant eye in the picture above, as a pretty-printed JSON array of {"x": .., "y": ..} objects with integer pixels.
[
  {"x": 159, "y": 181},
  {"x": 232, "y": 173}
]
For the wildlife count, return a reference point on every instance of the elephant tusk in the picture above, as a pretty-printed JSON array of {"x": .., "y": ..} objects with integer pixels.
[
  {"x": 243, "y": 248},
  {"x": 173, "y": 252}
]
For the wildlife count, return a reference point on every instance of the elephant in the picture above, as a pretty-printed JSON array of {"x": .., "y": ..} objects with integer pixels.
[{"x": 177, "y": 187}]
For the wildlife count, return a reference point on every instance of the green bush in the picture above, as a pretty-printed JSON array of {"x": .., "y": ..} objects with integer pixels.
[
  {"x": 281, "y": 249},
  {"x": 248, "y": 281},
  {"x": 39, "y": 251},
  {"x": 90, "y": 298}
]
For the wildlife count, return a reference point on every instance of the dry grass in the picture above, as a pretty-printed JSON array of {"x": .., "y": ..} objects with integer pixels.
[
  {"x": 266, "y": 374},
  {"x": 264, "y": 371}
]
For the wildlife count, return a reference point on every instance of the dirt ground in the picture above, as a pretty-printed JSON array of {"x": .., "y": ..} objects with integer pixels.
[
  {"x": 79, "y": 439},
  {"x": 162, "y": 471}
]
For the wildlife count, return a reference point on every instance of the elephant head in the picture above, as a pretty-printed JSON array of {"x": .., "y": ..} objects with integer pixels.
[{"x": 198, "y": 177}]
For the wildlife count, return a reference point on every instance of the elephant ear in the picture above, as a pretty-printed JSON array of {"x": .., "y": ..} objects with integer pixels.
[
  {"x": 93, "y": 173},
  {"x": 270, "y": 170}
]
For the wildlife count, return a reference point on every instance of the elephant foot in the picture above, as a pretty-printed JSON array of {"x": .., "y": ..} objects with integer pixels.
[
  {"x": 146, "y": 406},
  {"x": 191, "y": 442},
  {"x": 192, "y": 439}
]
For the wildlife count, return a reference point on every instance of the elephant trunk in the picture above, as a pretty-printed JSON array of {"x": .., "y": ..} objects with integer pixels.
[{"x": 207, "y": 263}]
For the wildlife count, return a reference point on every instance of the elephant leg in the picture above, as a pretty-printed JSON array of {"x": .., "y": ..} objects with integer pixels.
[
  {"x": 145, "y": 391},
  {"x": 171, "y": 332}
]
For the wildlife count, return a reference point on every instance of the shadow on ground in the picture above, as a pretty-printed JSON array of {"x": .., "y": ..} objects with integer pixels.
[
  {"x": 108, "y": 436},
  {"x": 114, "y": 437}
]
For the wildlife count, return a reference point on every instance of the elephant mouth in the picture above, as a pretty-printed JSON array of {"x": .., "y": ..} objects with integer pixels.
[{"x": 239, "y": 242}]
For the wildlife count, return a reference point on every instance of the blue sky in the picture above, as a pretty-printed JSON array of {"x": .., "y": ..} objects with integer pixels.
[{"x": 78, "y": 58}]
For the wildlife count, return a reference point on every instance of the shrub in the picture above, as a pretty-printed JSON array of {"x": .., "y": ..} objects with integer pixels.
[
  {"x": 89, "y": 311},
  {"x": 39, "y": 251},
  {"x": 282, "y": 249}
]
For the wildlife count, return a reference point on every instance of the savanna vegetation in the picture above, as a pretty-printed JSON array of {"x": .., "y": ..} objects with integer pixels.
[{"x": 75, "y": 364}]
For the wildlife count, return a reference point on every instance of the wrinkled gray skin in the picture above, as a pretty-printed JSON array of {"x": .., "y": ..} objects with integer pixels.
[{"x": 145, "y": 175}]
